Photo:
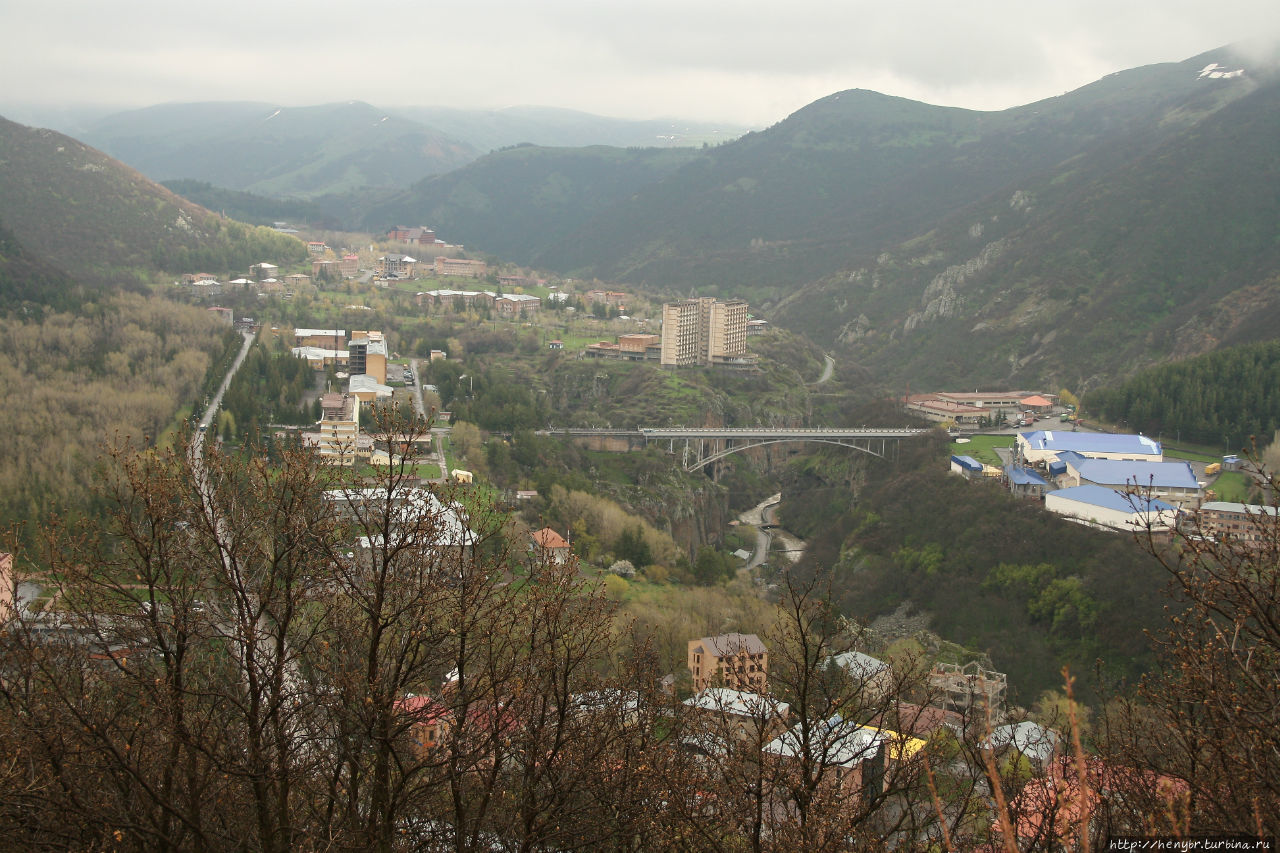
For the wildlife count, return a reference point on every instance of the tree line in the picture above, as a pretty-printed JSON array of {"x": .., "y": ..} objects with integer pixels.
[{"x": 1220, "y": 399}]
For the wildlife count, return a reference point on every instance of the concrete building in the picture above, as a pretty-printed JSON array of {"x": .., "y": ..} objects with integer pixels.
[
  {"x": 939, "y": 411},
  {"x": 970, "y": 688},
  {"x": 324, "y": 269},
  {"x": 460, "y": 267},
  {"x": 331, "y": 338},
  {"x": 367, "y": 389},
  {"x": 1252, "y": 524},
  {"x": 546, "y": 546},
  {"x": 635, "y": 347},
  {"x": 1101, "y": 507},
  {"x": 367, "y": 353},
  {"x": 872, "y": 677},
  {"x": 739, "y": 661},
  {"x": 318, "y": 358},
  {"x": 393, "y": 265},
  {"x": 419, "y": 236},
  {"x": 413, "y": 513},
  {"x": 516, "y": 305},
  {"x": 966, "y": 466},
  {"x": 1025, "y": 482},
  {"x": 705, "y": 331},
  {"x": 455, "y": 300},
  {"x": 349, "y": 265},
  {"x": 337, "y": 436},
  {"x": 1011, "y": 400},
  {"x": 8, "y": 587}
]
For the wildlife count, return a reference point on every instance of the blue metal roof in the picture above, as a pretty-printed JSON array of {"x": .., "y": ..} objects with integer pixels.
[
  {"x": 1111, "y": 499},
  {"x": 968, "y": 462},
  {"x": 1092, "y": 442},
  {"x": 1024, "y": 476},
  {"x": 1123, "y": 472}
]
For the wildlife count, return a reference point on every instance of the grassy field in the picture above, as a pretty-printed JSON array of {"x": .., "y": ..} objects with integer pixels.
[
  {"x": 1191, "y": 454},
  {"x": 983, "y": 448},
  {"x": 1232, "y": 486}
]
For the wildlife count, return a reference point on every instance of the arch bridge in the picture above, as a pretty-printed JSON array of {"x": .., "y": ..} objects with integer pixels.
[{"x": 704, "y": 446}]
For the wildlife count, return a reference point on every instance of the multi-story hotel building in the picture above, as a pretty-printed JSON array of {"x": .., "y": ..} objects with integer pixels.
[{"x": 705, "y": 331}]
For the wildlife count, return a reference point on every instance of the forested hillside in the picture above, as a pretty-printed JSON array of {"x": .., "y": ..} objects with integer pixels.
[
  {"x": 995, "y": 573},
  {"x": 841, "y": 180},
  {"x": 73, "y": 384},
  {"x": 1223, "y": 397},
  {"x": 104, "y": 224},
  {"x": 517, "y": 202},
  {"x": 1111, "y": 261}
]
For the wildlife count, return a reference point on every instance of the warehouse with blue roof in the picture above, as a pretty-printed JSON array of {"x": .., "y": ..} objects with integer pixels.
[
  {"x": 1043, "y": 446},
  {"x": 1172, "y": 481},
  {"x": 1098, "y": 506}
]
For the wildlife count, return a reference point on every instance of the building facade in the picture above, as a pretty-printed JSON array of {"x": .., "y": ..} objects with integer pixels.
[
  {"x": 738, "y": 661},
  {"x": 705, "y": 331},
  {"x": 367, "y": 354}
]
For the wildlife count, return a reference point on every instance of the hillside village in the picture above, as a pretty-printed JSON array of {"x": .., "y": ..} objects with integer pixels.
[
  {"x": 1107, "y": 481},
  {"x": 402, "y": 540}
]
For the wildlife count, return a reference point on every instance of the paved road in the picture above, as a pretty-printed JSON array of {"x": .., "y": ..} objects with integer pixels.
[
  {"x": 418, "y": 405},
  {"x": 197, "y": 443},
  {"x": 438, "y": 432},
  {"x": 826, "y": 370}
]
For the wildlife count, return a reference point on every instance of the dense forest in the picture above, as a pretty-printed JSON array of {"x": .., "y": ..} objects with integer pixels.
[
  {"x": 74, "y": 384},
  {"x": 1222, "y": 399},
  {"x": 267, "y": 389}
]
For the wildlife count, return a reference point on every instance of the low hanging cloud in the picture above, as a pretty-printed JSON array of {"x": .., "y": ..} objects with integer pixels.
[{"x": 747, "y": 61}]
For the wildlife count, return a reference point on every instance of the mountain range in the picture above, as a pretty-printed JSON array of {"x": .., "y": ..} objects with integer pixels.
[
  {"x": 1068, "y": 240},
  {"x": 1072, "y": 240},
  {"x": 305, "y": 152}
]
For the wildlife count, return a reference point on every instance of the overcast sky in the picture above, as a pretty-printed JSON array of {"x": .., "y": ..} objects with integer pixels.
[{"x": 744, "y": 61}]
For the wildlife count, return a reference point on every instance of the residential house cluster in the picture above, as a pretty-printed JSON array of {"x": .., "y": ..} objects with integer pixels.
[
  {"x": 508, "y": 305},
  {"x": 264, "y": 278},
  {"x": 868, "y": 738}
]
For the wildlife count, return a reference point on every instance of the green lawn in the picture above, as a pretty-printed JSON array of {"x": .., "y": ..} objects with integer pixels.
[
  {"x": 982, "y": 448},
  {"x": 1232, "y": 486},
  {"x": 1190, "y": 455}
]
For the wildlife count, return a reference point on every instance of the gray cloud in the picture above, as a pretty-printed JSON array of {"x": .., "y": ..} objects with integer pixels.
[{"x": 745, "y": 61}]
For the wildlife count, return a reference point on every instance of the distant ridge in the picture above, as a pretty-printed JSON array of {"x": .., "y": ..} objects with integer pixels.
[{"x": 73, "y": 209}]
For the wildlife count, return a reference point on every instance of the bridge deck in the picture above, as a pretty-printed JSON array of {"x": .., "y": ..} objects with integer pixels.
[{"x": 746, "y": 432}]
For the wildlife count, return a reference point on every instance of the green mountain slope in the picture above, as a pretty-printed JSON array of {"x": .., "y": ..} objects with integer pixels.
[
  {"x": 515, "y": 202},
  {"x": 1124, "y": 256},
  {"x": 833, "y": 183},
  {"x": 74, "y": 209},
  {"x": 284, "y": 151}
]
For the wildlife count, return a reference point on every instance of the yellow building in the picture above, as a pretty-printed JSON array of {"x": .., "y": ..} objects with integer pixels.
[{"x": 367, "y": 354}]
